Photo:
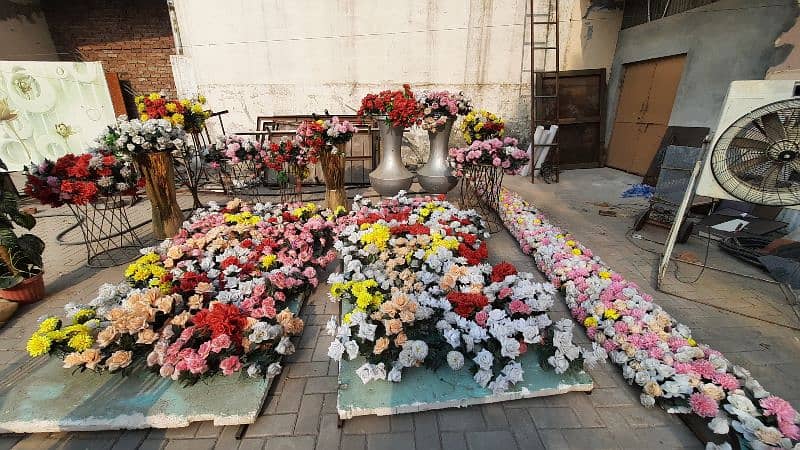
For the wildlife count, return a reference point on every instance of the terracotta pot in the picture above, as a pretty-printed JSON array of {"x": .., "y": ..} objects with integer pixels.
[{"x": 29, "y": 291}]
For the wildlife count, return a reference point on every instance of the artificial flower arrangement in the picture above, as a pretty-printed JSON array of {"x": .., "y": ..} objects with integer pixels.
[
  {"x": 400, "y": 108},
  {"x": 134, "y": 137},
  {"x": 481, "y": 125},
  {"x": 655, "y": 352},
  {"x": 290, "y": 156},
  {"x": 81, "y": 179},
  {"x": 499, "y": 153},
  {"x": 212, "y": 300},
  {"x": 233, "y": 149},
  {"x": 419, "y": 292},
  {"x": 188, "y": 113},
  {"x": 438, "y": 106}
]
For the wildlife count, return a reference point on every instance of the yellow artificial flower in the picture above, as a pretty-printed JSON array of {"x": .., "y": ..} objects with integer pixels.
[
  {"x": 144, "y": 117},
  {"x": 154, "y": 96},
  {"x": 49, "y": 324},
  {"x": 590, "y": 322},
  {"x": 171, "y": 107},
  {"x": 604, "y": 274},
  {"x": 577, "y": 252},
  {"x": 38, "y": 345},
  {"x": 56, "y": 335},
  {"x": 185, "y": 103},
  {"x": 611, "y": 314},
  {"x": 139, "y": 99},
  {"x": 378, "y": 234},
  {"x": 80, "y": 342},
  {"x": 692, "y": 342},
  {"x": 177, "y": 119},
  {"x": 346, "y": 318},
  {"x": 83, "y": 315},
  {"x": 140, "y": 107},
  {"x": 201, "y": 98},
  {"x": 570, "y": 243},
  {"x": 268, "y": 260},
  {"x": 197, "y": 108}
]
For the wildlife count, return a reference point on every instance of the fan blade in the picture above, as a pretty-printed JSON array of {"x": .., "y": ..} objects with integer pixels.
[
  {"x": 773, "y": 127},
  {"x": 770, "y": 179},
  {"x": 743, "y": 142},
  {"x": 745, "y": 165}
]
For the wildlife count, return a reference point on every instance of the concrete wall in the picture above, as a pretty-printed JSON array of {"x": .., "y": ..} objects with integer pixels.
[
  {"x": 23, "y": 32},
  {"x": 272, "y": 57},
  {"x": 725, "y": 41}
]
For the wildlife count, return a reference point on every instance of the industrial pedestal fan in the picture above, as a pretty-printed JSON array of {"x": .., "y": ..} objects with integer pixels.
[{"x": 754, "y": 156}]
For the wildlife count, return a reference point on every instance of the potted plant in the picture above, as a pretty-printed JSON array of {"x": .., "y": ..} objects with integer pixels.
[{"x": 20, "y": 256}]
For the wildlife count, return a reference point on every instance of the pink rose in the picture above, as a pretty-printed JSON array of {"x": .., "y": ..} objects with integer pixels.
[
  {"x": 220, "y": 343},
  {"x": 230, "y": 365}
]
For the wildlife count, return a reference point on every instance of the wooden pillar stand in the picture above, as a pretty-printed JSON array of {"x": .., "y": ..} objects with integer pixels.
[{"x": 159, "y": 177}]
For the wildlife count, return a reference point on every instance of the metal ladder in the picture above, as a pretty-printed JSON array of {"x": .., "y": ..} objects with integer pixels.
[{"x": 546, "y": 18}]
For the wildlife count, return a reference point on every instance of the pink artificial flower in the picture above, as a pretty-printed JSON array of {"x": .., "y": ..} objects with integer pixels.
[
  {"x": 519, "y": 307},
  {"x": 726, "y": 381},
  {"x": 778, "y": 407},
  {"x": 481, "y": 317},
  {"x": 220, "y": 343},
  {"x": 504, "y": 292},
  {"x": 196, "y": 364},
  {"x": 703, "y": 405},
  {"x": 204, "y": 350},
  {"x": 230, "y": 365}
]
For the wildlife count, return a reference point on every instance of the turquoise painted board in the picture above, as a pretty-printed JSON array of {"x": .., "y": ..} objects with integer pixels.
[
  {"x": 422, "y": 389},
  {"x": 41, "y": 396}
]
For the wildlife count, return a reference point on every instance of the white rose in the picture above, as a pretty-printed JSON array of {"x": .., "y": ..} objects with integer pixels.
[
  {"x": 484, "y": 360},
  {"x": 336, "y": 350},
  {"x": 482, "y": 377},
  {"x": 352, "y": 349}
]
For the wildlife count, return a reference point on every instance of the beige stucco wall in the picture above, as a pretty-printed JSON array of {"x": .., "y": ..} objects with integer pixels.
[
  {"x": 24, "y": 34},
  {"x": 274, "y": 57}
]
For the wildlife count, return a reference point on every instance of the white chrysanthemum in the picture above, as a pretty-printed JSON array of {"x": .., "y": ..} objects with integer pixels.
[{"x": 455, "y": 360}]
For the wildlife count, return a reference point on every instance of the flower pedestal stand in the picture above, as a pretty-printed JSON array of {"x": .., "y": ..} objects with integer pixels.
[
  {"x": 290, "y": 183},
  {"x": 333, "y": 170},
  {"x": 480, "y": 190},
  {"x": 107, "y": 232},
  {"x": 159, "y": 177}
]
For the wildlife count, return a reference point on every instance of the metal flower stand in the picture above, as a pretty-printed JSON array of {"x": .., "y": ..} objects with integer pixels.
[
  {"x": 245, "y": 179},
  {"x": 480, "y": 190},
  {"x": 107, "y": 232},
  {"x": 290, "y": 183},
  {"x": 189, "y": 168}
]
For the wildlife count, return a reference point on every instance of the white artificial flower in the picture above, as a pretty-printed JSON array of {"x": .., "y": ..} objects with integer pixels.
[
  {"x": 647, "y": 400},
  {"x": 395, "y": 375},
  {"x": 719, "y": 424},
  {"x": 484, "y": 359},
  {"x": 365, "y": 373},
  {"x": 513, "y": 372},
  {"x": 285, "y": 346},
  {"x": 253, "y": 371},
  {"x": 336, "y": 350},
  {"x": 367, "y": 331},
  {"x": 482, "y": 377},
  {"x": 455, "y": 360},
  {"x": 274, "y": 369},
  {"x": 352, "y": 349}
]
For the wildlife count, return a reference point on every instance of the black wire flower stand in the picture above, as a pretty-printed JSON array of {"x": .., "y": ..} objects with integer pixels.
[
  {"x": 480, "y": 190},
  {"x": 109, "y": 238}
]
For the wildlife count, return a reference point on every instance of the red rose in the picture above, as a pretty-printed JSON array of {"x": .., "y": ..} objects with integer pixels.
[{"x": 502, "y": 270}]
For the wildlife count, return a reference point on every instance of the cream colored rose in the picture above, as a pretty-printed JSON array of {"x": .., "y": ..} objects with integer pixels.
[
  {"x": 406, "y": 316},
  {"x": 106, "y": 336},
  {"x": 769, "y": 435},
  {"x": 147, "y": 336},
  {"x": 713, "y": 391},
  {"x": 91, "y": 357},
  {"x": 203, "y": 287},
  {"x": 181, "y": 319},
  {"x": 195, "y": 302},
  {"x": 401, "y": 339},
  {"x": 73, "y": 359},
  {"x": 164, "y": 304},
  {"x": 119, "y": 360},
  {"x": 284, "y": 316},
  {"x": 393, "y": 326},
  {"x": 381, "y": 345},
  {"x": 652, "y": 389},
  {"x": 293, "y": 327}
]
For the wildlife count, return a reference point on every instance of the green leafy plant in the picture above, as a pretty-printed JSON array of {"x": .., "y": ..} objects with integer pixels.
[{"x": 20, "y": 256}]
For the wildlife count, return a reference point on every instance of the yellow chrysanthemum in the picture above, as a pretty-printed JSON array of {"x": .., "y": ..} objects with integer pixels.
[
  {"x": 56, "y": 335},
  {"x": 577, "y": 252},
  {"x": 177, "y": 119},
  {"x": 590, "y": 322},
  {"x": 80, "y": 342},
  {"x": 692, "y": 342},
  {"x": 144, "y": 117},
  {"x": 197, "y": 108},
  {"x": 38, "y": 345},
  {"x": 171, "y": 107},
  {"x": 201, "y": 98},
  {"x": 611, "y": 314},
  {"x": 378, "y": 234},
  {"x": 49, "y": 324},
  {"x": 604, "y": 274},
  {"x": 154, "y": 96},
  {"x": 267, "y": 261},
  {"x": 83, "y": 315}
]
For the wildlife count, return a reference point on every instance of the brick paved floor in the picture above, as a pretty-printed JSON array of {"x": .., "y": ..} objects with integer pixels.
[{"x": 301, "y": 412}]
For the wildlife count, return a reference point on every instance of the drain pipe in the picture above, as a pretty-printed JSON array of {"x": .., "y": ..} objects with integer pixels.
[{"x": 176, "y": 31}]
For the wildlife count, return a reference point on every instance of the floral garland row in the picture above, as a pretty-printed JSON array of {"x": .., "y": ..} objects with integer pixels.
[
  {"x": 421, "y": 293},
  {"x": 211, "y": 300},
  {"x": 655, "y": 352}
]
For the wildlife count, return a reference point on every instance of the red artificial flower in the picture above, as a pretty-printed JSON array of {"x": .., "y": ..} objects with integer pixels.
[
  {"x": 502, "y": 270},
  {"x": 189, "y": 280},
  {"x": 473, "y": 256},
  {"x": 222, "y": 318},
  {"x": 465, "y": 304}
]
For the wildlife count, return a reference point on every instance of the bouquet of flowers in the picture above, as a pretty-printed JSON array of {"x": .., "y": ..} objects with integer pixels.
[
  {"x": 187, "y": 113},
  {"x": 482, "y": 125},
  {"x": 438, "y": 106},
  {"x": 498, "y": 153},
  {"x": 79, "y": 180},
  {"x": 655, "y": 352},
  {"x": 133, "y": 137},
  {"x": 337, "y": 132},
  {"x": 400, "y": 107},
  {"x": 234, "y": 149},
  {"x": 292, "y": 152},
  {"x": 212, "y": 300},
  {"x": 419, "y": 292}
]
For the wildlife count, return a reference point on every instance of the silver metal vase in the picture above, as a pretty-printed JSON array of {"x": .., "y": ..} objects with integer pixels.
[
  {"x": 436, "y": 176},
  {"x": 391, "y": 175}
]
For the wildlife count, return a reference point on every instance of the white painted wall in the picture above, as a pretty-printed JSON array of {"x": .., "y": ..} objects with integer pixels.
[{"x": 276, "y": 57}]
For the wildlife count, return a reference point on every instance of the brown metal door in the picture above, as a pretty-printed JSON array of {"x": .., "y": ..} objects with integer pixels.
[
  {"x": 581, "y": 107},
  {"x": 646, "y": 97}
]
